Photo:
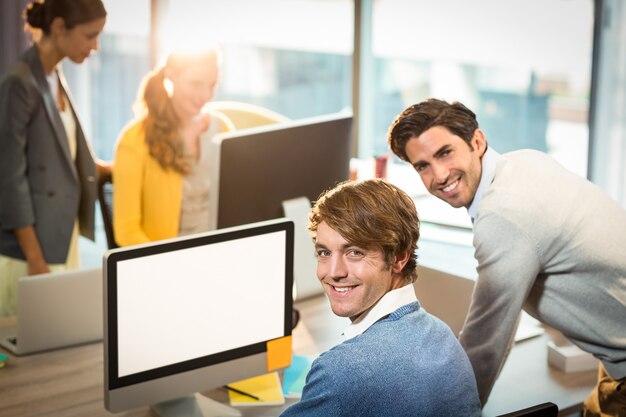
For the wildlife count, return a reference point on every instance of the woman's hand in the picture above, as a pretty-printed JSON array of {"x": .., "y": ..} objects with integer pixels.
[{"x": 103, "y": 168}]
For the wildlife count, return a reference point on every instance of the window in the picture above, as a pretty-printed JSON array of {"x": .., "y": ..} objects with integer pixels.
[
  {"x": 104, "y": 90},
  {"x": 608, "y": 153},
  {"x": 105, "y": 86},
  {"x": 291, "y": 56},
  {"x": 524, "y": 67}
]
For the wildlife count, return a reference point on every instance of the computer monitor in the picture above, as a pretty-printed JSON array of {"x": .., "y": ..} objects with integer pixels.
[
  {"x": 189, "y": 314},
  {"x": 278, "y": 170},
  {"x": 254, "y": 170}
]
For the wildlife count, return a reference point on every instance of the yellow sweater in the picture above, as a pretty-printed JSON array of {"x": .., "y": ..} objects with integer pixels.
[{"x": 147, "y": 199}]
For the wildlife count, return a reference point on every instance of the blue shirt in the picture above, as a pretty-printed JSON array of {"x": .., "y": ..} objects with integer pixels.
[{"x": 408, "y": 363}]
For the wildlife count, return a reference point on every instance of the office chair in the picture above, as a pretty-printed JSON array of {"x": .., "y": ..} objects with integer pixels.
[
  {"x": 105, "y": 200},
  {"x": 540, "y": 410},
  {"x": 245, "y": 115}
]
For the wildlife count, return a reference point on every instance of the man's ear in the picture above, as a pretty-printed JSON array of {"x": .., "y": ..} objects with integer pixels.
[
  {"x": 400, "y": 261},
  {"x": 57, "y": 26},
  {"x": 479, "y": 142}
]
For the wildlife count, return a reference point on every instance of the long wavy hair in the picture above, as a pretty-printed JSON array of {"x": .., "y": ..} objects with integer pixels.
[{"x": 160, "y": 122}]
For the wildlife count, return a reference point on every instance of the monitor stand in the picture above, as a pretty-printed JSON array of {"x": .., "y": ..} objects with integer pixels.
[{"x": 194, "y": 406}]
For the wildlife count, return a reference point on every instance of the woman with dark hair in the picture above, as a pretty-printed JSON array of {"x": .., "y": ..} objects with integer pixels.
[
  {"x": 47, "y": 168},
  {"x": 161, "y": 169}
]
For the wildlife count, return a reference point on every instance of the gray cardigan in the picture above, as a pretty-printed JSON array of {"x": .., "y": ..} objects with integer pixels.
[
  {"x": 553, "y": 243},
  {"x": 40, "y": 185}
]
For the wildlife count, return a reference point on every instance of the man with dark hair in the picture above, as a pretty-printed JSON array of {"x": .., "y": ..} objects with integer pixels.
[
  {"x": 545, "y": 239},
  {"x": 397, "y": 359}
]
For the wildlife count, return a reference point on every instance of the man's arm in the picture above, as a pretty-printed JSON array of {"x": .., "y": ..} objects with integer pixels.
[
  {"x": 508, "y": 265},
  {"x": 317, "y": 396}
]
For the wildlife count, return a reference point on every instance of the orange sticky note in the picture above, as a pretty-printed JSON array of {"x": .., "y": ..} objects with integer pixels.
[{"x": 279, "y": 353}]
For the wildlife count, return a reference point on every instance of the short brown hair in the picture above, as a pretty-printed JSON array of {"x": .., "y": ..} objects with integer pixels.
[
  {"x": 371, "y": 214},
  {"x": 418, "y": 118}
]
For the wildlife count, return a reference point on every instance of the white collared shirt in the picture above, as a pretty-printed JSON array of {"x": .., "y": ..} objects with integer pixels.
[
  {"x": 389, "y": 303},
  {"x": 489, "y": 163}
]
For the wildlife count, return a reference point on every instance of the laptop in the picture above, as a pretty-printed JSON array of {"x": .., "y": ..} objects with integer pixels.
[{"x": 56, "y": 310}]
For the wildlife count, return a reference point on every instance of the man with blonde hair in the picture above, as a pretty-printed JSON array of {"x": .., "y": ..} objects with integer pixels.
[{"x": 397, "y": 359}]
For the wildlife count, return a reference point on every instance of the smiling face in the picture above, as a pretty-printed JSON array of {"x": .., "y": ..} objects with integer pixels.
[
  {"x": 354, "y": 278},
  {"x": 78, "y": 43},
  {"x": 448, "y": 167},
  {"x": 193, "y": 86}
]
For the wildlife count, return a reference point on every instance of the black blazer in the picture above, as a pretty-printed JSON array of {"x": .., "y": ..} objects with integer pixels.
[{"x": 40, "y": 185}]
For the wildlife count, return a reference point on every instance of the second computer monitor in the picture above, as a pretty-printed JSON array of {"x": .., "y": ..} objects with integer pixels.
[{"x": 256, "y": 170}]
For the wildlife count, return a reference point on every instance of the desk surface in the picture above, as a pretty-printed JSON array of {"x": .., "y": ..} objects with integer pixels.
[{"x": 68, "y": 382}]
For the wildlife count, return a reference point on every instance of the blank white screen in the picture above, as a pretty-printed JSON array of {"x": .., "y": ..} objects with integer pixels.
[{"x": 194, "y": 302}]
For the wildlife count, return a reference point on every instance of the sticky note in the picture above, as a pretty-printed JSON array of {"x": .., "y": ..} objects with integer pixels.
[
  {"x": 294, "y": 377},
  {"x": 278, "y": 353},
  {"x": 266, "y": 387}
]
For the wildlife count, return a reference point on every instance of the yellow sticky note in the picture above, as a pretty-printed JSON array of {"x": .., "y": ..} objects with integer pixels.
[
  {"x": 267, "y": 388},
  {"x": 279, "y": 353}
]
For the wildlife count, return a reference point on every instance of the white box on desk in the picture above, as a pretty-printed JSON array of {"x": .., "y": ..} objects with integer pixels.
[{"x": 571, "y": 358}]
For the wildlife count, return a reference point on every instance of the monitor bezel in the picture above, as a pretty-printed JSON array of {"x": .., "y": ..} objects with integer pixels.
[{"x": 112, "y": 257}]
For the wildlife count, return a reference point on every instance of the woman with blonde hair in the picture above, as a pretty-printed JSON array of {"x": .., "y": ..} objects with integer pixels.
[
  {"x": 47, "y": 167},
  {"x": 161, "y": 168}
]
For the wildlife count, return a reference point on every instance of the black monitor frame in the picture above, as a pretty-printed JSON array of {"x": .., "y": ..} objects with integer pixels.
[{"x": 171, "y": 381}]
